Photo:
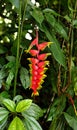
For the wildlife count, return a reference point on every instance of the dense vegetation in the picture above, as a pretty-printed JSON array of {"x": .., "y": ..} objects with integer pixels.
[{"x": 55, "y": 106}]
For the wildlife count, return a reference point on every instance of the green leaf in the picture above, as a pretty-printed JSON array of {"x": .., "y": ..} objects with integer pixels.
[
  {"x": 53, "y": 124},
  {"x": 34, "y": 110},
  {"x": 17, "y": 98},
  {"x": 67, "y": 18},
  {"x": 15, "y": 3},
  {"x": 37, "y": 15},
  {"x": 16, "y": 124},
  {"x": 56, "y": 25},
  {"x": 57, "y": 108},
  {"x": 9, "y": 79},
  {"x": 72, "y": 121},
  {"x": 51, "y": 11},
  {"x": 24, "y": 77},
  {"x": 3, "y": 113},
  {"x": 51, "y": 18},
  {"x": 23, "y": 105},
  {"x": 4, "y": 124},
  {"x": 4, "y": 94},
  {"x": 58, "y": 123},
  {"x": 60, "y": 29},
  {"x": 70, "y": 6},
  {"x": 2, "y": 62},
  {"x": 11, "y": 72},
  {"x": 3, "y": 117},
  {"x": 3, "y": 74},
  {"x": 57, "y": 53},
  {"x": 74, "y": 23},
  {"x": 2, "y": 49},
  {"x": 55, "y": 47},
  {"x": 10, "y": 65},
  {"x": 31, "y": 123},
  {"x": 10, "y": 58},
  {"x": 10, "y": 105}
]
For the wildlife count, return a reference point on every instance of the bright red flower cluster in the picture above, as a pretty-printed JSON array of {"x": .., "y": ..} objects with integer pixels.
[{"x": 37, "y": 64}]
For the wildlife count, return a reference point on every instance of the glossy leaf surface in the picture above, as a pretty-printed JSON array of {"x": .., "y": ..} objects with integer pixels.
[
  {"x": 23, "y": 105},
  {"x": 16, "y": 124}
]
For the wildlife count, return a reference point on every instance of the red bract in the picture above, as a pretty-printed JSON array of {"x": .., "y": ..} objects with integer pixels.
[
  {"x": 43, "y": 56},
  {"x": 34, "y": 52},
  {"x": 38, "y": 64},
  {"x": 33, "y": 60},
  {"x": 43, "y": 45}
]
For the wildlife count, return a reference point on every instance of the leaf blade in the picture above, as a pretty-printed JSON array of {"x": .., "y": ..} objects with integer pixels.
[
  {"x": 71, "y": 121},
  {"x": 31, "y": 123},
  {"x": 34, "y": 111},
  {"x": 37, "y": 15},
  {"x": 24, "y": 78},
  {"x": 3, "y": 117},
  {"x": 23, "y": 105},
  {"x": 10, "y": 105},
  {"x": 15, "y": 3},
  {"x": 16, "y": 124},
  {"x": 58, "y": 53}
]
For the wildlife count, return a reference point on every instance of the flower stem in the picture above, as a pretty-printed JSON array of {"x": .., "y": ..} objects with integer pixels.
[{"x": 18, "y": 47}]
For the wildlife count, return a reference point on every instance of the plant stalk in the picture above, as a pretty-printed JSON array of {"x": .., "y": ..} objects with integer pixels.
[
  {"x": 18, "y": 47},
  {"x": 25, "y": 5}
]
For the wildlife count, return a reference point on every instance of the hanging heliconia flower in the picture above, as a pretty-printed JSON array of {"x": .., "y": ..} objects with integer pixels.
[{"x": 37, "y": 64}]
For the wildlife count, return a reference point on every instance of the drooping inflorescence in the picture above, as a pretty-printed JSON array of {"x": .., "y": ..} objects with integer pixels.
[{"x": 38, "y": 64}]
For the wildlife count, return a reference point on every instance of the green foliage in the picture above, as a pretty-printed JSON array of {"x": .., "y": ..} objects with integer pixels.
[
  {"x": 30, "y": 117},
  {"x": 2, "y": 76},
  {"x": 23, "y": 105},
  {"x": 34, "y": 111},
  {"x": 57, "y": 23},
  {"x": 24, "y": 77},
  {"x": 24, "y": 108},
  {"x": 55, "y": 47},
  {"x": 15, "y": 3},
  {"x": 2, "y": 49},
  {"x": 10, "y": 105},
  {"x": 30, "y": 122},
  {"x": 11, "y": 72},
  {"x": 16, "y": 124},
  {"x": 57, "y": 108},
  {"x": 3, "y": 117},
  {"x": 37, "y": 14},
  {"x": 71, "y": 121}
]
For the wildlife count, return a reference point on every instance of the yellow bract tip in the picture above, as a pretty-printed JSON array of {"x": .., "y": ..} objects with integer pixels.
[
  {"x": 46, "y": 62},
  {"x": 27, "y": 51},
  {"x": 48, "y": 54},
  {"x": 49, "y": 43},
  {"x": 39, "y": 87},
  {"x": 35, "y": 94},
  {"x": 44, "y": 76}
]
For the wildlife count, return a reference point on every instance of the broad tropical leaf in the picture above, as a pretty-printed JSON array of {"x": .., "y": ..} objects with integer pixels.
[
  {"x": 9, "y": 104},
  {"x": 56, "y": 25},
  {"x": 57, "y": 108},
  {"x": 3, "y": 117},
  {"x": 72, "y": 121},
  {"x": 55, "y": 47},
  {"x": 23, "y": 105},
  {"x": 15, "y": 3},
  {"x": 31, "y": 123},
  {"x": 9, "y": 79},
  {"x": 24, "y": 77},
  {"x": 16, "y": 124},
  {"x": 34, "y": 111},
  {"x": 37, "y": 15}
]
